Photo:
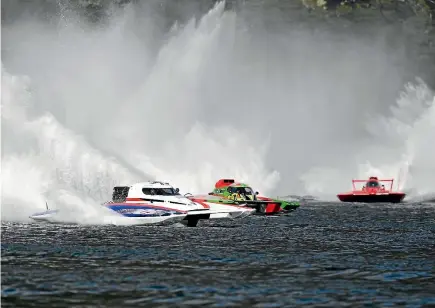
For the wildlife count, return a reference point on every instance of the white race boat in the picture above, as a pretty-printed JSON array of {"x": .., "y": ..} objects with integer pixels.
[{"x": 155, "y": 202}]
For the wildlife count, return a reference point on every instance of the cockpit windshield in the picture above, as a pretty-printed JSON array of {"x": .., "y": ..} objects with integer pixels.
[
  {"x": 160, "y": 191},
  {"x": 241, "y": 190},
  {"x": 372, "y": 184}
]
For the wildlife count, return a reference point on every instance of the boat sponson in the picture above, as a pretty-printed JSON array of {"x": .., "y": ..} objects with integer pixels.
[{"x": 372, "y": 198}]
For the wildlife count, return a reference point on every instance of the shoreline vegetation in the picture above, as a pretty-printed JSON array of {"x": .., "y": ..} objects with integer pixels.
[
  {"x": 418, "y": 7},
  {"x": 390, "y": 10}
]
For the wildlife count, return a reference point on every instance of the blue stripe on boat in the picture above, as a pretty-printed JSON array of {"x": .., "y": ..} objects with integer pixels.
[{"x": 142, "y": 210}]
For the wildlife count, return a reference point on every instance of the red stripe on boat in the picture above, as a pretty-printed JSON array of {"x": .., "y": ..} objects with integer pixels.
[
  {"x": 273, "y": 208},
  {"x": 204, "y": 205}
]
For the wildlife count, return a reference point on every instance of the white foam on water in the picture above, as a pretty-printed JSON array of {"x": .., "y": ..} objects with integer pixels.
[{"x": 53, "y": 166}]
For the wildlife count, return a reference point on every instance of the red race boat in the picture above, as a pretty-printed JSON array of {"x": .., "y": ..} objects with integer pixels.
[{"x": 372, "y": 192}]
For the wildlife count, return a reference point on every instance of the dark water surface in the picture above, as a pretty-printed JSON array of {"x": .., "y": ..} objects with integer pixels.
[{"x": 322, "y": 255}]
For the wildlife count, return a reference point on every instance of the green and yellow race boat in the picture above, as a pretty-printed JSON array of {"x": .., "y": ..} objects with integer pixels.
[{"x": 229, "y": 192}]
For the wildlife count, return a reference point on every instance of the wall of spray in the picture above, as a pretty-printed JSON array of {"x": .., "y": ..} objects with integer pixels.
[{"x": 299, "y": 110}]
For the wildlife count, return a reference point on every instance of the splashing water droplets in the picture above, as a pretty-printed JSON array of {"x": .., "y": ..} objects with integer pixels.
[
  {"x": 126, "y": 101},
  {"x": 403, "y": 139}
]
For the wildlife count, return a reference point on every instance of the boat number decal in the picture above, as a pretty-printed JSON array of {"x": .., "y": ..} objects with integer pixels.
[{"x": 141, "y": 211}]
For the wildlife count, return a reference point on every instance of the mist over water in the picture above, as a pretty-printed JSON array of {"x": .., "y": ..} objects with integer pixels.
[{"x": 297, "y": 111}]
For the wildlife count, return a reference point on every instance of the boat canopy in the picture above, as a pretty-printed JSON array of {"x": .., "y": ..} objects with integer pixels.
[
  {"x": 246, "y": 190},
  {"x": 166, "y": 191},
  {"x": 372, "y": 183}
]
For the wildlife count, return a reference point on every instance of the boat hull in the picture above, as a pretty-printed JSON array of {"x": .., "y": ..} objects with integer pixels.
[
  {"x": 221, "y": 210},
  {"x": 52, "y": 216},
  {"x": 153, "y": 214},
  {"x": 244, "y": 208},
  {"x": 161, "y": 209},
  {"x": 372, "y": 198}
]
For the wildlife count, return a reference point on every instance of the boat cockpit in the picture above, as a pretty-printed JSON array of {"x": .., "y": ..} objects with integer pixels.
[
  {"x": 166, "y": 191},
  {"x": 242, "y": 192}
]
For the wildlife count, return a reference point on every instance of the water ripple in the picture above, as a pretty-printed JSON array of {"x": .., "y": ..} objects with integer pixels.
[{"x": 318, "y": 256}]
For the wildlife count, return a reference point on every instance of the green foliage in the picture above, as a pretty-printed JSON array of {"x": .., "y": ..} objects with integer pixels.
[{"x": 418, "y": 7}]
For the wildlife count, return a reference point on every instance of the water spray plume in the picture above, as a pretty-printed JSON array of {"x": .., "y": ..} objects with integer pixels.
[{"x": 296, "y": 111}]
